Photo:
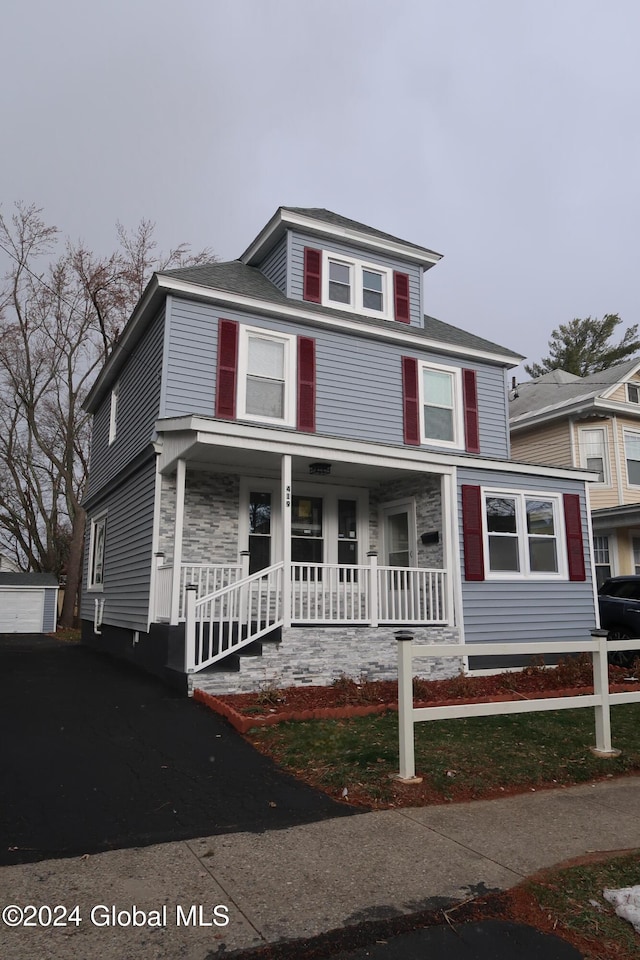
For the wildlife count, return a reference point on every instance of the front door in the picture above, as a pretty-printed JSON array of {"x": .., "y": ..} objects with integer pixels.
[{"x": 399, "y": 550}]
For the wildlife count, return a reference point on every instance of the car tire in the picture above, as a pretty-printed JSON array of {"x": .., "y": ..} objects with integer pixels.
[{"x": 621, "y": 658}]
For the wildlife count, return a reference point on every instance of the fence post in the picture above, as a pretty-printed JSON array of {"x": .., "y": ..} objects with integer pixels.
[
  {"x": 603, "y": 746},
  {"x": 373, "y": 587},
  {"x": 405, "y": 708},
  {"x": 190, "y": 628}
]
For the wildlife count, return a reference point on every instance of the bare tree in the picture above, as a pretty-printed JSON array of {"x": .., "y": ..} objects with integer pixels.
[{"x": 58, "y": 323}]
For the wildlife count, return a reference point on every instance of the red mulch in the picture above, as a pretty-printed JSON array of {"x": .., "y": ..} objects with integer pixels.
[{"x": 349, "y": 698}]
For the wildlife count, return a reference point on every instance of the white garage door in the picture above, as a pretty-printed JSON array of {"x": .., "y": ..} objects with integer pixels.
[{"x": 21, "y": 611}]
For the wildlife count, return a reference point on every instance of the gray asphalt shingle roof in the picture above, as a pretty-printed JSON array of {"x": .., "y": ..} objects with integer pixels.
[
  {"x": 28, "y": 580},
  {"x": 327, "y": 216},
  {"x": 236, "y": 277},
  {"x": 560, "y": 388}
]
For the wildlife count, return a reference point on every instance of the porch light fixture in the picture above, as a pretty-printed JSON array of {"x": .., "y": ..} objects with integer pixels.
[{"x": 320, "y": 469}]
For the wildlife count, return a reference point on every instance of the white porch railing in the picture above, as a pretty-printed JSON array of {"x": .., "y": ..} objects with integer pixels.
[
  {"x": 411, "y": 595},
  {"x": 330, "y": 593},
  {"x": 206, "y": 577},
  {"x": 231, "y": 618},
  {"x": 327, "y": 593}
]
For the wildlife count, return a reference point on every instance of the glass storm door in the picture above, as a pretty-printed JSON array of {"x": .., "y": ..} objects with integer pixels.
[{"x": 399, "y": 551}]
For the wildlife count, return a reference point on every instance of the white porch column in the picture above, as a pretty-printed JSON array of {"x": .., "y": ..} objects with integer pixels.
[
  {"x": 285, "y": 500},
  {"x": 181, "y": 470},
  {"x": 450, "y": 550}
]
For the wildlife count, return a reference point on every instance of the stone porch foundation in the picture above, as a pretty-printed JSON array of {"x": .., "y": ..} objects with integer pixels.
[{"x": 319, "y": 655}]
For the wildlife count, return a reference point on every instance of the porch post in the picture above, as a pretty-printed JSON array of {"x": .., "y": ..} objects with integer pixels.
[
  {"x": 177, "y": 541},
  {"x": 285, "y": 500},
  {"x": 373, "y": 587},
  {"x": 449, "y": 553}
]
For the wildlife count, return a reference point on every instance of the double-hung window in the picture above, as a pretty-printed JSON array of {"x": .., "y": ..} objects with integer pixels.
[
  {"x": 441, "y": 405},
  {"x": 355, "y": 285},
  {"x": 632, "y": 455},
  {"x": 96, "y": 552},
  {"x": 522, "y": 535},
  {"x": 266, "y": 376},
  {"x": 633, "y": 392},
  {"x": 113, "y": 416},
  {"x": 593, "y": 452}
]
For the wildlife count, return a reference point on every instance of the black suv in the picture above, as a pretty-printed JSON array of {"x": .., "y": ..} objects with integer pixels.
[{"x": 619, "y": 602}]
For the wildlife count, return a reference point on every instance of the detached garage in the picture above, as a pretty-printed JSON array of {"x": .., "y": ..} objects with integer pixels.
[{"x": 28, "y": 602}]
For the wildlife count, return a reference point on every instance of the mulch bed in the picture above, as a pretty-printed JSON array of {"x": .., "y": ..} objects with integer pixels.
[{"x": 350, "y": 698}]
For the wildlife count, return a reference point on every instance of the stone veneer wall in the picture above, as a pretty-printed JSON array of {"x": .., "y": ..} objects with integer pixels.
[
  {"x": 212, "y": 505},
  {"x": 319, "y": 655},
  {"x": 426, "y": 490}
]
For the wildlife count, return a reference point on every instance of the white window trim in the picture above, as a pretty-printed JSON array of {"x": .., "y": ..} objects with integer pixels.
[
  {"x": 635, "y": 384},
  {"x": 96, "y": 522},
  {"x": 458, "y": 441},
  {"x": 521, "y": 496},
  {"x": 290, "y": 365},
  {"x": 605, "y": 456},
  {"x": 113, "y": 416},
  {"x": 635, "y": 434},
  {"x": 355, "y": 270}
]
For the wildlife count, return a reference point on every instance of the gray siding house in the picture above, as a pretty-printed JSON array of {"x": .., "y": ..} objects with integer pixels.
[{"x": 290, "y": 461}]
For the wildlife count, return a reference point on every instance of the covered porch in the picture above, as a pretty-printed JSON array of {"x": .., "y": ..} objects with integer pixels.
[{"x": 253, "y": 540}]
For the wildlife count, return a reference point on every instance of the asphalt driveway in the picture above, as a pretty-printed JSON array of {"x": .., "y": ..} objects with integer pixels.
[{"x": 97, "y": 755}]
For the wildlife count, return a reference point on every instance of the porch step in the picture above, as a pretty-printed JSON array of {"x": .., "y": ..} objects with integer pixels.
[{"x": 218, "y": 640}]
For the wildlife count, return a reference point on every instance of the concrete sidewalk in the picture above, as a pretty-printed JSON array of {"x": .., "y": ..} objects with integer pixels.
[{"x": 309, "y": 879}]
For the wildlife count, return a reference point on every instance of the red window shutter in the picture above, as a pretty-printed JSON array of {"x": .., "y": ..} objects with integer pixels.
[
  {"x": 573, "y": 528},
  {"x": 307, "y": 384},
  {"x": 471, "y": 426},
  {"x": 401, "y": 297},
  {"x": 312, "y": 284},
  {"x": 410, "y": 400},
  {"x": 227, "y": 374},
  {"x": 472, "y": 532}
]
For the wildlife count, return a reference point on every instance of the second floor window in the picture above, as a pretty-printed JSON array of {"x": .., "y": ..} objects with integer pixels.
[
  {"x": 113, "y": 419},
  {"x": 632, "y": 455},
  {"x": 266, "y": 376},
  {"x": 441, "y": 405},
  {"x": 593, "y": 452}
]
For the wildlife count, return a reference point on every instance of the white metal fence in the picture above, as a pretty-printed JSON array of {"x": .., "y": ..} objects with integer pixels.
[{"x": 600, "y": 699}]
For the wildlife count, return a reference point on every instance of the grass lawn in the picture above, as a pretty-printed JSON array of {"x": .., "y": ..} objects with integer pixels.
[
  {"x": 465, "y": 759},
  {"x": 572, "y": 900}
]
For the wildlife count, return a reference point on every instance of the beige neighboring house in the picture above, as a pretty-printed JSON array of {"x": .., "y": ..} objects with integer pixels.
[
  {"x": 593, "y": 422},
  {"x": 7, "y": 565}
]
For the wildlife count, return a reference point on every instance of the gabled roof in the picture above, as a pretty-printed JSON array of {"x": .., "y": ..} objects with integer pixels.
[
  {"x": 558, "y": 394},
  {"x": 324, "y": 223}
]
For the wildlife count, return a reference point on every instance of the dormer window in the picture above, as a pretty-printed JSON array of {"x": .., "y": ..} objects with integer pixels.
[
  {"x": 358, "y": 286},
  {"x": 349, "y": 284},
  {"x": 633, "y": 392},
  {"x": 340, "y": 282}
]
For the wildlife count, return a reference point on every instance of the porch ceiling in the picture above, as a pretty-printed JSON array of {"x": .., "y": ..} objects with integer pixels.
[{"x": 250, "y": 462}]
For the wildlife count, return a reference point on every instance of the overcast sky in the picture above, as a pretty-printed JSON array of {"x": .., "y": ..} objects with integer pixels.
[{"x": 504, "y": 134}]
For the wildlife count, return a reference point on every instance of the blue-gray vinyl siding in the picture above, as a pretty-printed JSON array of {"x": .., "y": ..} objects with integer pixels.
[
  {"x": 527, "y": 610},
  {"x": 49, "y": 612},
  {"x": 296, "y": 268},
  {"x": 138, "y": 409},
  {"x": 358, "y": 379},
  {"x": 129, "y": 509},
  {"x": 274, "y": 266}
]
